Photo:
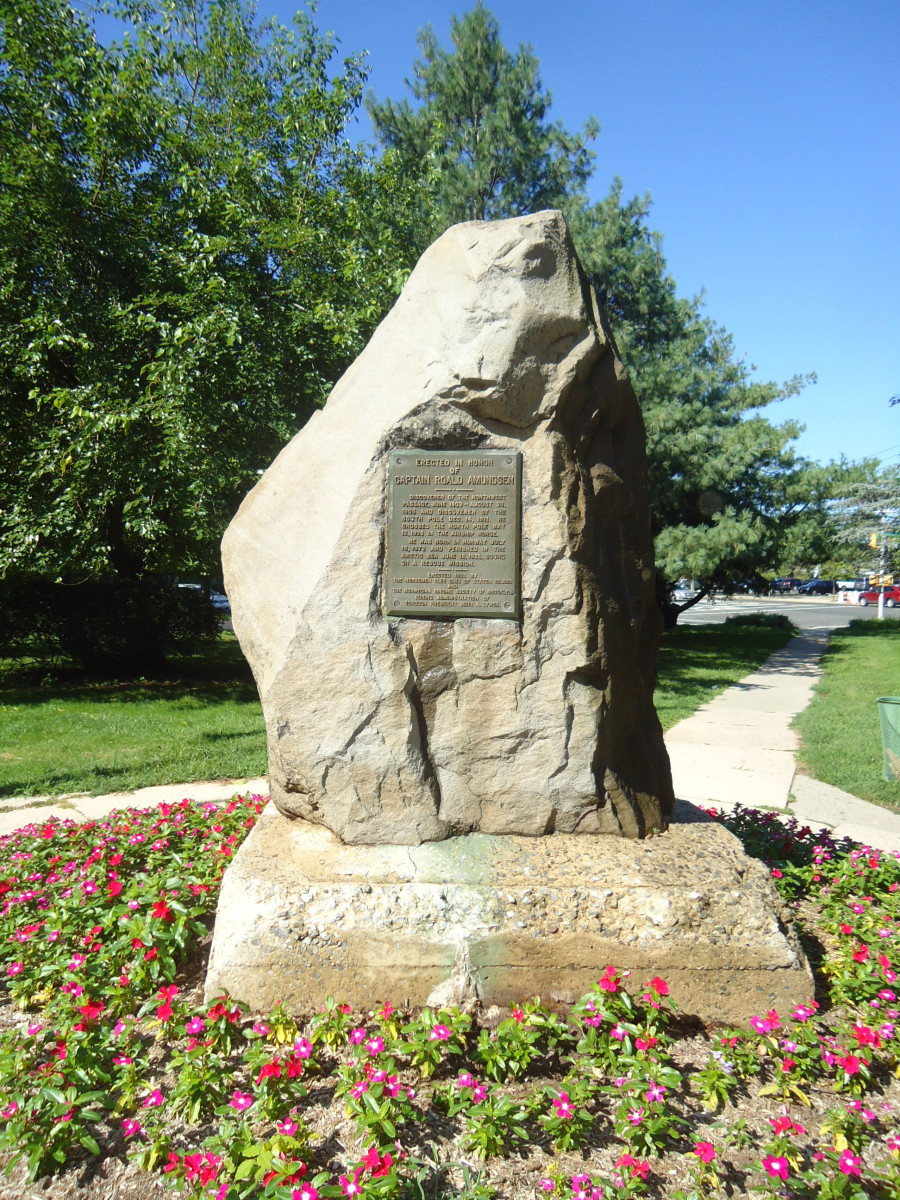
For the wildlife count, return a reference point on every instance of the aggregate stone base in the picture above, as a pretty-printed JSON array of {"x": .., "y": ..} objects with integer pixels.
[{"x": 498, "y": 919}]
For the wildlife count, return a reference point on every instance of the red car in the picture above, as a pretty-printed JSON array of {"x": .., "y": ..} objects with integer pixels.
[{"x": 891, "y": 597}]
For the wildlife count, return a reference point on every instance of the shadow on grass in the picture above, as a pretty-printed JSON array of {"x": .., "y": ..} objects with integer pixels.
[
  {"x": 215, "y": 674},
  {"x": 696, "y": 656}
]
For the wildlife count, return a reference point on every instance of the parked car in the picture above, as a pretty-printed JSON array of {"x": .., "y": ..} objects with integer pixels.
[
  {"x": 218, "y": 600},
  {"x": 784, "y": 583},
  {"x": 816, "y": 587},
  {"x": 891, "y": 597}
]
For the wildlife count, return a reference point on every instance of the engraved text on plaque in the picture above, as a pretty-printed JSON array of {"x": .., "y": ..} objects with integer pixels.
[{"x": 453, "y": 533}]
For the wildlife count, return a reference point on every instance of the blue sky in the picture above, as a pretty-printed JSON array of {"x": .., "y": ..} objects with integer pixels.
[{"x": 767, "y": 132}]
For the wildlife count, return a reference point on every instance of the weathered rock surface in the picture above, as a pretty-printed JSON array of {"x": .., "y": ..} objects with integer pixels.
[
  {"x": 499, "y": 919},
  {"x": 407, "y": 730}
]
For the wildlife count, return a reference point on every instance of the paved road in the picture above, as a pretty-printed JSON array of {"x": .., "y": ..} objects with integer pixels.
[{"x": 812, "y": 613}]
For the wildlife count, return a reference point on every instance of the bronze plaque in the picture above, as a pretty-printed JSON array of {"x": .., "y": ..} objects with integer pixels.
[{"x": 453, "y": 533}]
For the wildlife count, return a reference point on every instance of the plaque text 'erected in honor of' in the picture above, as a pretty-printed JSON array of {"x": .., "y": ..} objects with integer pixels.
[{"x": 453, "y": 533}]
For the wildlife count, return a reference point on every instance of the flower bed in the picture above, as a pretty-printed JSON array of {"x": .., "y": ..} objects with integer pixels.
[{"x": 107, "y": 1052}]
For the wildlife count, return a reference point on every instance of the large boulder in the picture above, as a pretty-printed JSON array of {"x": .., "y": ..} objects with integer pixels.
[{"x": 403, "y": 730}]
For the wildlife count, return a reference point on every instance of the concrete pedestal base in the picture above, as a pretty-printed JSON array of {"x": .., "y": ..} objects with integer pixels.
[{"x": 501, "y": 919}]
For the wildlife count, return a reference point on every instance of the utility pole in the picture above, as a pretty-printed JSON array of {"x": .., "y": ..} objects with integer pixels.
[{"x": 883, "y": 567}]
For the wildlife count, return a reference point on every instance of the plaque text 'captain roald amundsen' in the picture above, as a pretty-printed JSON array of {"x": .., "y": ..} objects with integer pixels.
[{"x": 453, "y": 534}]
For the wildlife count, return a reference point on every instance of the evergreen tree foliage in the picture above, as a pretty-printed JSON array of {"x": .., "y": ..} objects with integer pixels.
[
  {"x": 482, "y": 118},
  {"x": 729, "y": 495}
]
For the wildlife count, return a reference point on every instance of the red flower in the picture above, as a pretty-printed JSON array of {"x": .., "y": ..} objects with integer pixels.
[
  {"x": 270, "y": 1070},
  {"x": 161, "y": 909}
]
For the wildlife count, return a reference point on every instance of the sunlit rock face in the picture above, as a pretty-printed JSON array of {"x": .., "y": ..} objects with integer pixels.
[{"x": 405, "y": 730}]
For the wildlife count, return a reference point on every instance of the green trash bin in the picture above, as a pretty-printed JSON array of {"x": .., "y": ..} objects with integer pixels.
[{"x": 889, "y": 711}]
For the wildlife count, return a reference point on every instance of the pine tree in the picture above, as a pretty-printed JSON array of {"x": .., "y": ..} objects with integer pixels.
[{"x": 483, "y": 119}]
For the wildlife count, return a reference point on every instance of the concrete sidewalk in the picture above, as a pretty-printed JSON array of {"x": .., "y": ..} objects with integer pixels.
[
  {"x": 21, "y": 811},
  {"x": 740, "y": 749}
]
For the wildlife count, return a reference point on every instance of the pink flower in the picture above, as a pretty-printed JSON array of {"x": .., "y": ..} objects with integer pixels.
[
  {"x": 351, "y": 1187},
  {"x": 636, "y": 1115},
  {"x": 479, "y": 1091},
  {"x": 705, "y": 1151},
  {"x": 564, "y": 1107},
  {"x": 240, "y": 1100},
  {"x": 778, "y": 1168},
  {"x": 131, "y": 1127},
  {"x": 358, "y": 1088},
  {"x": 767, "y": 1024},
  {"x": 153, "y": 1100},
  {"x": 302, "y": 1048},
  {"x": 357, "y": 1037},
  {"x": 849, "y": 1163},
  {"x": 307, "y": 1192},
  {"x": 617, "y": 1032},
  {"x": 655, "y": 1092},
  {"x": 15, "y": 968},
  {"x": 195, "y": 1025},
  {"x": 609, "y": 981},
  {"x": 439, "y": 1033},
  {"x": 375, "y": 1044},
  {"x": 803, "y": 1012},
  {"x": 287, "y": 1127},
  {"x": 547, "y": 1185}
]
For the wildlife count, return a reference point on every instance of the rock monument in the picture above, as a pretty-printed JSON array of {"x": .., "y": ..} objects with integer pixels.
[
  {"x": 491, "y": 392},
  {"x": 444, "y": 586}
]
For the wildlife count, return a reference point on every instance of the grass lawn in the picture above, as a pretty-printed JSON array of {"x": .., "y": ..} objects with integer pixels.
[
  {"x": 69, "y": 734},
  {"x": 65, "y": 733},
  {"x": 840, "y": 731},
  {"x": 697, "y": 661}
]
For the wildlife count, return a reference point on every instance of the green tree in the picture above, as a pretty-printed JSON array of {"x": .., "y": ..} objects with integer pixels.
[
  {"x": 867, "y": 517},
  {"x": 729, "y": 496},
  {"x": 728, "y": 493},
  {"x": 190, "y": 254},
  {"x": 482, "y": 118}
]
